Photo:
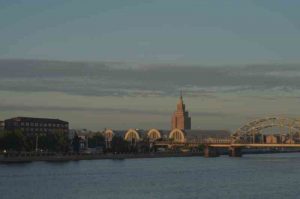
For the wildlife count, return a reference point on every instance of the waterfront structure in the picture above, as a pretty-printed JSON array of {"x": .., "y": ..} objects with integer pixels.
[
  {"x": 36, "y": 126},
  {"x": 242, "y": 137},
  {"x": 175, "y": 135},
  {"x": 180, "y": 132},
  {"x": 181, "y": 118}
]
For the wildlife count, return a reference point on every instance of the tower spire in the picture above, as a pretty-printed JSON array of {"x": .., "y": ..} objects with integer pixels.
[
  {"x": 180, "y": 118},
  {"x": 181, "y": 94}
]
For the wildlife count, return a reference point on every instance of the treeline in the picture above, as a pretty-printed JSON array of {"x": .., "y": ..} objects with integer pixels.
[
  {"x": 59, "y": 142},
  {"x": 118, "y": 144},
  {"x": 17, "y": 141}
]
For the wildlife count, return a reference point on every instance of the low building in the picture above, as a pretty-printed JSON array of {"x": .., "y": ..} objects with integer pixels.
[
  {"x": 176, "y": 135},
  {"x": 289, "y": 141},
  {"x": 36, "y": 126},
  {"x": 271, "y": 139}
]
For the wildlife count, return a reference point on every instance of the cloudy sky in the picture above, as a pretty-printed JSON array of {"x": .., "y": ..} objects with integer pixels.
[{"x": 123, "y": 63}]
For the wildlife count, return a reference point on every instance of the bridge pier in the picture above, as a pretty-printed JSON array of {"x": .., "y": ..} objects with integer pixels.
[
  {"x": 235, "y": 152},
  {"x": 210, "y": 152}
]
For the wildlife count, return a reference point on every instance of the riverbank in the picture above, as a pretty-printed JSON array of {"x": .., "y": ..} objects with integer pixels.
[
  {"x": 21, "y": 158},
  {"x": 61, "y": 158}
]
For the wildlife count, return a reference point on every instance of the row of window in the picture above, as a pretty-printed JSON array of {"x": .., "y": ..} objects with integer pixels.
[
  {"x": 41, "y": 129},
  {"x": 36, "y": 124},
  {"x": 36, "y": 134}
]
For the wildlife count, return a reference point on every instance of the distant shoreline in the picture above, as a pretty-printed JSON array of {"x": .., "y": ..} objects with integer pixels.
[
  {"x": 111, "y": 156},
  {"x": 64, "y": 158}
]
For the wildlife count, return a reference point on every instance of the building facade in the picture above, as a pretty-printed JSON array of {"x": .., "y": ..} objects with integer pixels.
[
  {"x": 175, "y": 135},
  {"x": 180, "y": 118},
  {"x": 36, "y": 126}
]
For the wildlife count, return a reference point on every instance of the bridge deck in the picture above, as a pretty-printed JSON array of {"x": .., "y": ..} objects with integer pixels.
[
  {"x": 228, "y": 144},
  {"x": 255, "y": 145}
]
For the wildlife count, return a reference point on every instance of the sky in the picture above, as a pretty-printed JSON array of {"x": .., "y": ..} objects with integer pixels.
[
  {"x": 121, "y": 64},
  {"x": 171, "y": 31}
]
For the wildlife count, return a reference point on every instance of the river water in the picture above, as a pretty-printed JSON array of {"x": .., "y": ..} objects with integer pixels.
[{"x": 252, "y": 176}]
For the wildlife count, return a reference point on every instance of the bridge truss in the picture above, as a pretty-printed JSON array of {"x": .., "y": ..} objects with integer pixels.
[{"x": 285, "y": 127}]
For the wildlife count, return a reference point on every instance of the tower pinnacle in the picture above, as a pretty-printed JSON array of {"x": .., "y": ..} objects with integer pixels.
[{"x": 181, "y": 117}]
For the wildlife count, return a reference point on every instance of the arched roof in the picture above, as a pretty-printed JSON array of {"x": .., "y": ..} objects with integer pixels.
[
  {"x": 132, "y": 131},
  {"x": 179, "y": 132},
  {"x": 156, "y": 131},
  {"x": 108, "y": 134},
  {"x": 107, "y": 131}
]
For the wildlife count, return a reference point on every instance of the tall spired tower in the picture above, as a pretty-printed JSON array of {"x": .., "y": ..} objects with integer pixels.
[{"x": 180, "y": 118}]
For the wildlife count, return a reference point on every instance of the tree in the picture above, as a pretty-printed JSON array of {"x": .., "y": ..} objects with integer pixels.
[
  {"x": 97, "y": 140},
  {"x": 119, "y": 145},
  {"x": 76, "y": 143},
  {"x": 56, "y": 141},
  {"x": 201, "y": 147},
  {"x": 12, "y": 140}
]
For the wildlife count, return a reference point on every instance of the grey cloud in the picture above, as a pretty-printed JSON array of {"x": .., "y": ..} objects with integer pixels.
[
  {"x": 105, "y": 78},
  {"x": 97, "y": 110},
  {"x": 64, "y": 108}
]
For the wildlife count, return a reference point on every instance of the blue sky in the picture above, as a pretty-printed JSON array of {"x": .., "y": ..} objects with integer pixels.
[{"x": 164, "y": 31}]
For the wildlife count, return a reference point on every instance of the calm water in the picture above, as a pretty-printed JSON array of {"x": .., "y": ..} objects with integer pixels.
[{"x": 252, "y": 176}]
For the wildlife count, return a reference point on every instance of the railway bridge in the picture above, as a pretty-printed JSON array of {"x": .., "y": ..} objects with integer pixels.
[{"x": 271, "y": 132}]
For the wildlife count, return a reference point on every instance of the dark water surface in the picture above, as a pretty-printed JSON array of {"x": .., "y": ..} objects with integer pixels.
[{"x": 252, "y": 176}]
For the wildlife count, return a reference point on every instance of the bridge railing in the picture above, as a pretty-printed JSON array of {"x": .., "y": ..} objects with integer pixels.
[{"x": 195, "y": 142}]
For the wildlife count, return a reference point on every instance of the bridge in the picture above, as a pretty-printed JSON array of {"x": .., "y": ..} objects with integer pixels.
[{"x": 271, "y": 132}]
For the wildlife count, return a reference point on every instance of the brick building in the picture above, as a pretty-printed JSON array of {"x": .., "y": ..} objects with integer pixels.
[{"x": 36, "y": 126}]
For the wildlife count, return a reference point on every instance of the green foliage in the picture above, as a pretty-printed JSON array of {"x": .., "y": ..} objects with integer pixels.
[
  {"x": 119, "y": 145},
  {"x": 201, "y": 147},
  {"x": 14, "y": 140},
  {"x": 17, "y": 141},
  {"x": 97, "y": 140},
  {"x": 56, "y": 141},
  {"x": 76, "y": 143}
]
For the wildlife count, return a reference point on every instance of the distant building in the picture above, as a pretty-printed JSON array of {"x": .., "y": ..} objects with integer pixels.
[
  {"x": 1, "y": 125},
  {"x": 176, "y": 135},
  {"x": 181, "y": 131},
  {"x": 36, "y": 126},
  {"x": 271, "y": 139},
  {"x": 289, "y": 141},
  {"x": 180, "y": 118}
]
